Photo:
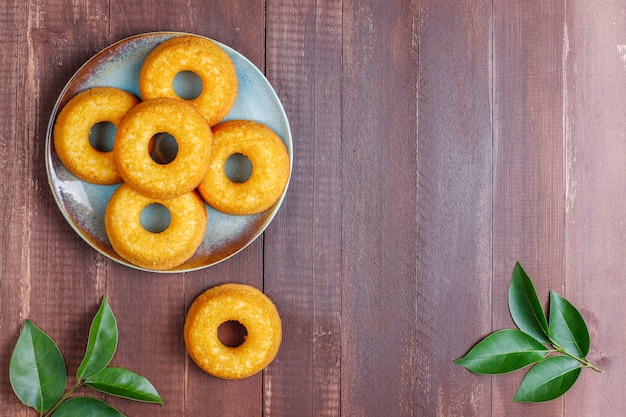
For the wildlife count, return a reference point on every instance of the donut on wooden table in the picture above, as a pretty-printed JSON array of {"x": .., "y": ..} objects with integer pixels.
[{"x": 243, "y": 304}]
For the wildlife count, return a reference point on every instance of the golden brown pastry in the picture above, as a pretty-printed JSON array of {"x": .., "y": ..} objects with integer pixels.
[
  {"x": 270, "y": 168},
  {"x": 73, "y": 126},
  {"x": 204, "y": 58},
  {"x": 157, "y": 251},
  {"x": 233, "y": 302},
  {"x": 134, "y": 140}
]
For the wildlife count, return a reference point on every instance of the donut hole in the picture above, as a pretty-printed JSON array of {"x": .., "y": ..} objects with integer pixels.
[
  {"x": 238, "y": 168},
  {"x": 187, "y": 85},
  {"x": 155, "y": 218},
  {"x": 232, "y": 333},
  {"x": 102, "y": 136},
  {"x": 163, "y": 148}
]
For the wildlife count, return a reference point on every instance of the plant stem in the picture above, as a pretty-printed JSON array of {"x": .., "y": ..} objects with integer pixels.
[
  {"x": 584, "y": 361},
  {"x": 63, "y": 398},
  {"x": 590, "y": 365}
]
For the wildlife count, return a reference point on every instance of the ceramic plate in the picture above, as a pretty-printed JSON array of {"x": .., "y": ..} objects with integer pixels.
[{"x": 83, "y": 204}]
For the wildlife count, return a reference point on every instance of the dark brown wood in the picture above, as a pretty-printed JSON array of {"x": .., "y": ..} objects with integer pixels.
[
  {"x": 436, "y": 143},
  {"x": 454, "y": 204},
  {"x": 528, "y": 185},
  {"x": 304, "y": 63},
  {"x": 595, "y": 213},
  {"x": 15, "y": 286},
  {"x": 379, "y": 220}
]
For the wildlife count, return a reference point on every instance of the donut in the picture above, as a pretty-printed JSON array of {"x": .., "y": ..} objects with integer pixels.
[
  {"x": 156, "y": 251},
  {"x": 245, "y": 305},
  {"x": 204, "y": 58},
  {"x": 270, "y": 168},
  {"x": 73, "y": 126},
  {"x": 134, "y": 140}
]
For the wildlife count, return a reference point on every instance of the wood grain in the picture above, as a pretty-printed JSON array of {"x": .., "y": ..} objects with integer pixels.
[
  {"x": 529, "y": 182},
  {"x": 379, "y": 229},
  {"x": 304, "y": 63},
  {"x": 15, "y": 278},
  {"x": 454, "y": 204},
  {"x": 595, "y": 159}
]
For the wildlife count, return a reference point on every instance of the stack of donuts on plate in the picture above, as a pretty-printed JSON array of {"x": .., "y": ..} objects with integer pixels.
[{"x": 196, "y": 174}]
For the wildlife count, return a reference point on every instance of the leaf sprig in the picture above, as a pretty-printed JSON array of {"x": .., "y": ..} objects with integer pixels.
[
  {"x": 38, "y": 373},
  {"x": 557, "y": 349}
]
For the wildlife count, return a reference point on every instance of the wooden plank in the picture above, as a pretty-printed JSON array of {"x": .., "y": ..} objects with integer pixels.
[
  {"x": 379, "y": 225},
  {"x": 454, "y": 204},
  {"x": 236, "y": 24},
  {"x": 303, "y": 247},
  {"x": 595, "y": 159},
  {"x": 528, "y": 203},
  {"x": 15, "y": 278},
  {"x": 154, "y": 306}
]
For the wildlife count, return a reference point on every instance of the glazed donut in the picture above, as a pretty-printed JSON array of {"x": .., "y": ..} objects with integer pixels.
[
  {"x": 145, "y": 249},
  {"x": 134, "y": 139},
  {"x": 204, "y": 58},
  {"x": 233, "y": 302},
  {"x": 73, "y": 126},
  {"x": 270, "y": 168}
]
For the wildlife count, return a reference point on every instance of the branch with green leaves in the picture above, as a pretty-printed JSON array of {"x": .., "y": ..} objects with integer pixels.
[
  {"x": 557, "y": 350},
  {"x": 38, "y": 373}
]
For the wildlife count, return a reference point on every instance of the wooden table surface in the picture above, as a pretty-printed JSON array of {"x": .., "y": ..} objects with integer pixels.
[{"x": 436, "y": 143}]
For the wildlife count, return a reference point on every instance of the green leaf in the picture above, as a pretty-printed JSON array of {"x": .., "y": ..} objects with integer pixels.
[
  {"x": 86, "y": 406},
  {"x": 503, "y": 351},
  {"x": 525, "y": 307},
  {"x": 37, "y": 369},
  {"x": 549, "y": 379},
  {"x": 124, "y": 383},
  {"x": 567, "y": 327},
  {"x": 101, "y": 344}
]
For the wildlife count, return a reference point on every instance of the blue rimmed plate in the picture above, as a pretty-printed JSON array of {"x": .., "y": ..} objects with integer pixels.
[{"x": 83, "y": 204}]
